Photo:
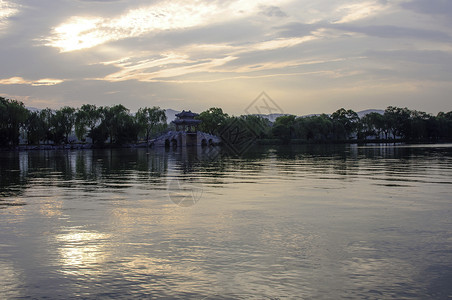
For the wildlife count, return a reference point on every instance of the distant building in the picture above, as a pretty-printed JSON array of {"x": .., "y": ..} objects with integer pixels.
[
  {"x": 185, "y": 121},
  {"x": 186, "y": 134}
]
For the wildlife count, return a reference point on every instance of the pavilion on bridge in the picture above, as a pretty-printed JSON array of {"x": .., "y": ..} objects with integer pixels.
[{"x": 186, "y": 122}]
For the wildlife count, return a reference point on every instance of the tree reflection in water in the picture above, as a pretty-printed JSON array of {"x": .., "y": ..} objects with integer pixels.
[{"x": 121, "y": 168}]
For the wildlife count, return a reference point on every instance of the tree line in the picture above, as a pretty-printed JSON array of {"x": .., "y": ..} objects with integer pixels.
[
  {"x": 112, "y": 124},
  {"x": 117, "y": 125},
  {"x": 342, "y": 125}
]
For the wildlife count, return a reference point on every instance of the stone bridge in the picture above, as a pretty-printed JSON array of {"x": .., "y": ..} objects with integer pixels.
[{"x": 185, "y": 139}]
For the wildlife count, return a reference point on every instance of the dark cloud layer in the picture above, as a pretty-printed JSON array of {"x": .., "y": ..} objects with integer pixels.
[
  {"x": 316, "y": 50},
  {"x": 293, "y": 29},
  {"x": 273, "y": 11},
  {"x": 397, "y": 32},
  {"x": 435, "y": 7}
]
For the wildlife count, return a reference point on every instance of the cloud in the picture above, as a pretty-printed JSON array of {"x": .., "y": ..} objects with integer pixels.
[
  {"x": 357, "y": 11},
  {"x": 171, "y": 65},
  {"x": 7, "y": 10},
  {"x": 295, "y": 29},
  {"x": 99, "y": 0},
  {"x": 178, "y": 62},
  {"x": 86, "y": 32},
  {"x": 424, "y": 65},
  {"x": 192, "y": 50},
  {"x": 272, "y": 11},
  {"x": 230, "y": 32},
  {"x": 39, "y": 82},
  {"x": 390, "y": 31},
  {"x": 419, "y": 57},
  {"x": 434, "y": 7},
  {"x": 281, "y": 43}
]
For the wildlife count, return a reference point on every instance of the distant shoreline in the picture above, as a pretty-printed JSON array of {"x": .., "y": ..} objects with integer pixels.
[
  {"x": 259, "y": 142},
  {"x": 356, "y": 141}
]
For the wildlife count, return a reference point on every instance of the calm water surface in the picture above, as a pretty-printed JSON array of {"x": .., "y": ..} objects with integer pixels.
[{"x": 318, "y": 222}]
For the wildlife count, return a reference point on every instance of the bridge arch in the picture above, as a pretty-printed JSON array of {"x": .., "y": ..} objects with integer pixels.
[{"x": 174, "y": 142}]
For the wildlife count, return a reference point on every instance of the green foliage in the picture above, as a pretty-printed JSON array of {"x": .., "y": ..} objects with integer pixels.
[
  {"x": 258, "y": 125},
  {"x": 212, "y": 120},
  {"x": 284, "y": 128},
  {"x": 116, "y": 125},
  {"x": 444, "y": 125},
  {"x": 13, "y": 116},
  {"x": 372, "y": 124},
  {"x": 345, "y": 123},
  {"x": 313, "y": 127},
  {"x": 64, "y": 120},
  {"x": 150, "y": 121},
  {"x": 397, "y": 120},
  {"x": 418, "y": 125},
  {"x": 45, "y": 117},
  {"x": 120, "y": 125},
  {"x": 33, "y": 128},
  {"x": 86, "y": 120}
]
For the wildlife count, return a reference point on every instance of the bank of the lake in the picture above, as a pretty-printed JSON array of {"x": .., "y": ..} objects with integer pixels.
[{"x": 257, "y": 143}]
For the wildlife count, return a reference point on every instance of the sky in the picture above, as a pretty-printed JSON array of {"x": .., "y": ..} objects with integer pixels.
[{"x": 307, "y": 56}]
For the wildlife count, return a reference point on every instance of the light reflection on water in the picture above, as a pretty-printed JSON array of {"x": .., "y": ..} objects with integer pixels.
[{"x": 283, "y": 222}]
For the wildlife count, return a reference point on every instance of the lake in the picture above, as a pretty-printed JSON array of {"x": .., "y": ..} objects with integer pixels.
[{"x": 300, "y": 222}]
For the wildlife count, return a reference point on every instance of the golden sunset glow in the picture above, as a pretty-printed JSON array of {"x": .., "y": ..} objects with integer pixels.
[
  {"x": 78, "y": 33},
  {"x": 82, "y": 33},
  {"x": 7, "y": 10},
  {"x": 225, "y": 149},
  {"x": 170, "y": 53},
  {"x": 39, "y": 82},
  {"x": 79, "y": 248},
  {"x": 357, "y": 11}
]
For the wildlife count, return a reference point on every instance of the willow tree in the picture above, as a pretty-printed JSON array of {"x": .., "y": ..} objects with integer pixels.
[
  {"x": 213, "y": 120},
  {"x": 373, "y": 125},
  {"x": 284, "y": 128},
  {"x": 398, "y": 121},
  {"x": 314, "y": 127},
  {"x": 119, "y": 124},
  {"x": 150, "y": 120},
  {"x": 87, "y": 118},
  {"x": 345, "y": 123},
  {"x": 64, "y": 120},
  {"x": 13, "y": 116}
]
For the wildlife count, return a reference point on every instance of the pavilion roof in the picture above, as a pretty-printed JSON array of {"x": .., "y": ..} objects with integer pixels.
[
  {"x": 186, "y": 115},
  {"x": 186, "y": 122}
]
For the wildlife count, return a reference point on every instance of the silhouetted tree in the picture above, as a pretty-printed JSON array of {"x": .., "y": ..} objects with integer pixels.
[
  {"x": 33, "y": 128},
  {"x": 46, "y": 116},
  {"x": 284, "y": 128},
  {"x": 444, "y": 125},
  {"x": 372, "y": 124},
  {"x": 418, "y": 125},
  {"x": 397, "y": 120},
  {"x": 150, "y": 120},
  {"x": 64, "y": 120},
  {"x": 13, "y": 116},
  {"x": 258, "y": 125},
  {"x": 314, "y": 127},
  {"x": 345, "y": 123},
  {"x": 212, "y": 119},
  {"x": 87, "y": 118},
  {"x": 119, "y": 124}
]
